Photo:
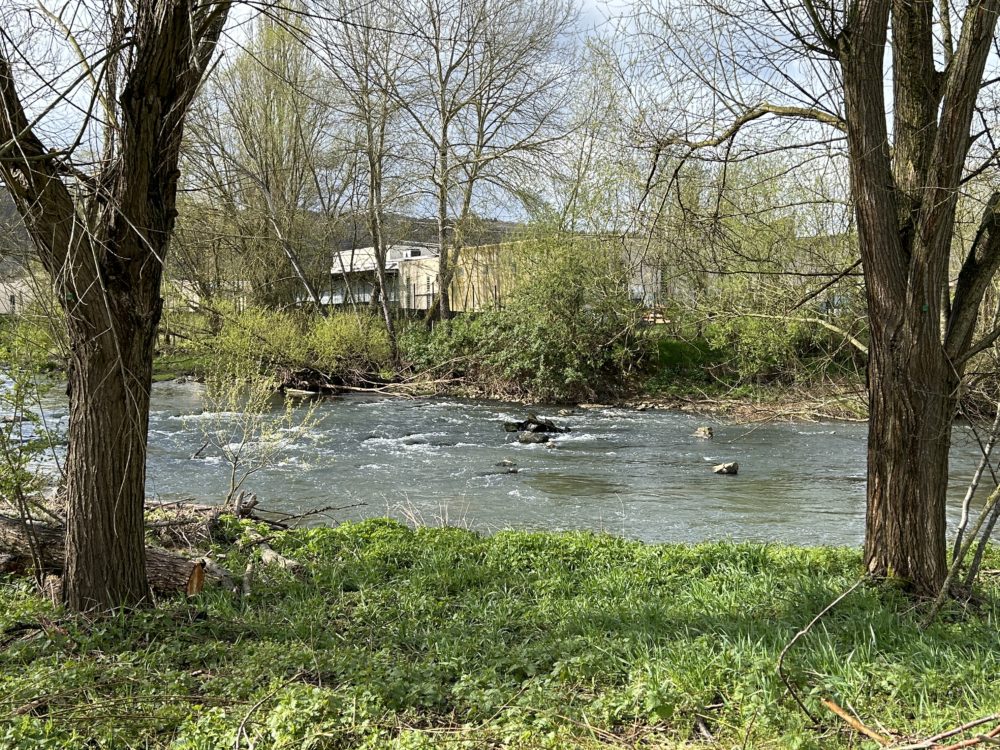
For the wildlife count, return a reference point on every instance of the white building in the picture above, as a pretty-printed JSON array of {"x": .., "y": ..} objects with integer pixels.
[
  {"x": 15, "y": 295},
  {"x": 353, "y": 277}
]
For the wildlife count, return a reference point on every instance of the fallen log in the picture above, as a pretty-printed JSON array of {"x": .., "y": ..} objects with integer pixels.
[
  {"x": 165, "y": 571},
  {"x": 268, "y": 556}
]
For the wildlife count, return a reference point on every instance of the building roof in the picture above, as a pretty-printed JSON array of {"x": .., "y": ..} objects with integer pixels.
[{"x": 362, "y": 259}]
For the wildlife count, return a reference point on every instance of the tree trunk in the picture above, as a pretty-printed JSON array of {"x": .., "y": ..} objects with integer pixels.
[
  {"x": 912, "y": 400},
  {"x": 911, "y": 383},
  {"x": 376, "y": 230},
  {"x": 440, "y": 307},
  {"x": 103, "y": 240},
  {"x": 109, "y": 388},
  {"x": 445, "y": 272}
]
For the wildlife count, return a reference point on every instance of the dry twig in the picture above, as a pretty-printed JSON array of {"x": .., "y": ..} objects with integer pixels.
[
  {"x": 800, "y": 634},
  {"x": 855, "y": 723}
]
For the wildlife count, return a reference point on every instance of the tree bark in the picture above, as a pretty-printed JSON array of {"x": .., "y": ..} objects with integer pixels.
[
  {"x": 376, "y": 229},
  {"x": 912, "y": 402},
  {"x": 905, "y": 202},
  {"x": 440, "y": 307},
  {"x": 109, "y": 388},
  {"x": 912, "y": 386}
]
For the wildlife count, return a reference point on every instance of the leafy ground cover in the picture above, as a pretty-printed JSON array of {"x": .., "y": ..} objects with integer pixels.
[{"x": 401, "y": 638}]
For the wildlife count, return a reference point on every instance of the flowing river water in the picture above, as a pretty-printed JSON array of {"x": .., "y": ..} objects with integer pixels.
[{"x": 637, "y": 474}]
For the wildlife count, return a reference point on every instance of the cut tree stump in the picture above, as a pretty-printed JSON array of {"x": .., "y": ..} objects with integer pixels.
[{"x": 165, "y": 571}]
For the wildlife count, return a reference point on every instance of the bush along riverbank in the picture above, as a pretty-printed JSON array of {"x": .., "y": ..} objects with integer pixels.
[
  {"x": 508, "y": 355},
  {"x": 567, "y": 329},
  {"x": 383, "y": 636}
]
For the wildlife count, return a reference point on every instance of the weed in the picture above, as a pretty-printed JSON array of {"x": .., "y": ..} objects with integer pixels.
[{"x": 396, "y": 637}]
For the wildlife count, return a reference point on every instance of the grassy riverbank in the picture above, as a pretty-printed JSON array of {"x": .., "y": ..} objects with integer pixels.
[{"x": 442, "y": 638}]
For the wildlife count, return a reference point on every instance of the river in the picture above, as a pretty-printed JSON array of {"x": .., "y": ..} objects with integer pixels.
[{"x": 638, "y": 474}]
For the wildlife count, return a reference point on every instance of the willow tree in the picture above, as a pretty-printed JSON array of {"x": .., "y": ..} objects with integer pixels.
[
  {"x": 484, "y": 90},
  {"x": 262, "y": 155},
  {"x": 899, "y": 88},
  {"x": 98, "y": 200}
]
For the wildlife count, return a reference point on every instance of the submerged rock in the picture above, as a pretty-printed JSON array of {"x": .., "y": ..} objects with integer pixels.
[
  {"x": 533, "y": 437},
  {"x": 505, "y": 463},
  {"x": 501, "y": 472},
  {"x": 728, "y": 468},
  {"x": 705, "y": 433}
]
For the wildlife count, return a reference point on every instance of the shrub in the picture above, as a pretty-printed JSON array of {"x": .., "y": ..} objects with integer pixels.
[
  {"x": 348, "y": 342},
  {"x": 274, "y": 337},
  {"x": 342, "y": 344},
  {"x": 452, "y": 347},
  {"x": 570, "y": 330},
  {"x": 762, "y": 349}
]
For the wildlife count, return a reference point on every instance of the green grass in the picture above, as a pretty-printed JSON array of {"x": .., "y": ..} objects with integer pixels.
[{"x": 443, "y": 638}]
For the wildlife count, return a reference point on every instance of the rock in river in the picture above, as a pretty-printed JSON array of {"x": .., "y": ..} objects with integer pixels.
[
  {"x": 728, "y": 468},
  {"x": 533, "y": 437},
  {"x": 534, "y": 424},
  {"x": 703, "y": 432}
]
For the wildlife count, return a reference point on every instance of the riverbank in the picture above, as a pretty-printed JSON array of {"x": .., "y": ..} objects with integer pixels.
[
  {"x": 392, "y": 637},
  {"x": 511, "y": 356},
  {"x": 842, "y": 401}
]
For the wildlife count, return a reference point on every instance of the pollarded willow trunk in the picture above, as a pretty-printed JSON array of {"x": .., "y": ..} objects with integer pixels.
[
  {"x": 109, "y": 385},
  {"x": 103, "y": 238},
  {"x": 912, "y": 399},
  {"x": 905, "y": 212}
]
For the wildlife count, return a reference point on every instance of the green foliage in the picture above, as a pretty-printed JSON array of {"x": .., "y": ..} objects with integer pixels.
[
  {"x": 450, "y": 347},
  {"x": 760, "y": 348},
  {"x": 243, "y": 425},
  {"x": 349, "y": 342},
  {"x": 24, "y": 437},
  {"x": 677, "y": 361},
  {"x": 33, "y": 339},
  {"x": 748, "y": 325},
  {"x": 344, "y": 344},
  {"x": 402, "y": 638},
  {"x": 568, "y": 330},
  {"x": 274, "y": 337}
]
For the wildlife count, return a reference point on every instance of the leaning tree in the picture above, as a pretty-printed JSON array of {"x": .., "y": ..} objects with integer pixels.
[
  {"x": 902, "y": 90},
  {"x": 107, "y": 84}
]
